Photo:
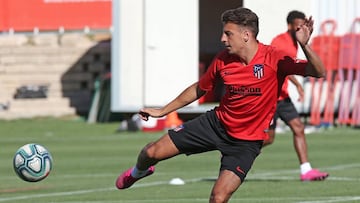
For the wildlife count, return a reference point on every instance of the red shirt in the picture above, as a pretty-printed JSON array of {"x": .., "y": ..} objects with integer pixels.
[
  {"x": 285, "y": 43},
  {"x": 249, "y": 103}
]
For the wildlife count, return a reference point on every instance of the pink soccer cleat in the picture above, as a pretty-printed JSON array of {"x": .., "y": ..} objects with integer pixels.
[
  {"x": 314, "y": 175},
  {"x": 125, "y": 180}
]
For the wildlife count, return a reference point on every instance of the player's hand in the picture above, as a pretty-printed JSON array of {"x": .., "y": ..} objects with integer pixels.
[
  {"x": 304, "y": 31},
  {"x": 153, "y": 112}
]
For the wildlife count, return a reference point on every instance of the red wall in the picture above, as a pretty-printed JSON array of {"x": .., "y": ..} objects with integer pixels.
[{"x": 24, "y": 15}]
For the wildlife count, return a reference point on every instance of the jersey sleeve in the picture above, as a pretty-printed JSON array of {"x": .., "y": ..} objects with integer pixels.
[
  {"x": 208, "y": 80},
  {"x": 290, "y": 66}
]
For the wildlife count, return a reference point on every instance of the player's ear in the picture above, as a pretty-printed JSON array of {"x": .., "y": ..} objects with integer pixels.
[{"x": 246, "y": 34}]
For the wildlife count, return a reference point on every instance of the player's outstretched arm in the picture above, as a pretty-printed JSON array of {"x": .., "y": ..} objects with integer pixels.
[
  {"x": 315, "y": 67},
  {"x": 189, "y": 95}
]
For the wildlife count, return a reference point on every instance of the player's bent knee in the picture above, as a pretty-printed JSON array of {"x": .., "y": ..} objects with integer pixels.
[
  {"x": 299, "y": 129},
  {"x": 220, "y": 195},
  {"x": 219, "y": 198},
  {"x": 300, "y": 125}
]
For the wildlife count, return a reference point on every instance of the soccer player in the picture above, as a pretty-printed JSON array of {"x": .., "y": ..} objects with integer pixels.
[
  {"x": 285, "y": 108},
  {"x": 252, "y": 73}
]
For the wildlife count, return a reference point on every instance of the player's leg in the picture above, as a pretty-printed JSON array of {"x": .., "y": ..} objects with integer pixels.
[
  {"x": 288, "y": 113},
  {"x": 226, "y": 184},
  {"x": 152, "y": 153},
  {"x": 299, "y": 140},
  {"x": 194, "y": 136},
  {"x": 237, "y": 159},
  {"x": 307, "y": 172},
  {"x": 290, "y": 116}
]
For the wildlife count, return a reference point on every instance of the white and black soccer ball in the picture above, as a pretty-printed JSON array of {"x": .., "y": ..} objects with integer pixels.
[{"x": 32, "y": 162}]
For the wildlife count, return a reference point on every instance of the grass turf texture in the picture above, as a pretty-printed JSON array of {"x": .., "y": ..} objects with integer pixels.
[{"x": 89, "y": 157}]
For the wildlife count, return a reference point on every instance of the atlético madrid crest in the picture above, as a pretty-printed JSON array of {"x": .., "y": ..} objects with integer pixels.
[{"x": 258, "y": 71}]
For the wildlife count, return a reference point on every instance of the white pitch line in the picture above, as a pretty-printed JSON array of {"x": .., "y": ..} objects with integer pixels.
[
  {"x": 333, "y": 199},
  {"x": 265, "y": 199},
  {"x": 262, "y": 176},
  {"x": 79, "y": 192},
  {"x": 282, "y": 172},
  {"x": 341, "y": 167},
  {"x": 54, "y": 194},
  {"x": 140, "y": 185}
]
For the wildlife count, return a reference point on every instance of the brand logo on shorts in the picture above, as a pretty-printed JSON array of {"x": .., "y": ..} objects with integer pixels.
[
  {"x": 240, "y": 170},
  {"x": 177, "y": 129}
]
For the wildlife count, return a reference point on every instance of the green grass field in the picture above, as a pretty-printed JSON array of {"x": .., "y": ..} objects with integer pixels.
[{"x": 89, "y": 157}]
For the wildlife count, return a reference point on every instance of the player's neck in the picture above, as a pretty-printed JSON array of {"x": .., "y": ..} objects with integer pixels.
[
  {"x": 248, "y": 53},
  {"x": 293, "y": 37}
]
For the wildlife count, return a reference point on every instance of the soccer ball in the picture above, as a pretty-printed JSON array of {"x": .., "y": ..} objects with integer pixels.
[{"x": 32, "y": 162}]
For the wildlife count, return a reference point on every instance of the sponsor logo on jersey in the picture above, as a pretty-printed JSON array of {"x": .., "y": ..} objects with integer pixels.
[
  {"x": 258, "y": 71},
  {"x": 245, "y": 91}
]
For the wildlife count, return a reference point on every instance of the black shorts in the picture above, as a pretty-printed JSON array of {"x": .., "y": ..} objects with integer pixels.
[
  {"x": 286, "y": 111},
  {"x": 206, "y": 133}
]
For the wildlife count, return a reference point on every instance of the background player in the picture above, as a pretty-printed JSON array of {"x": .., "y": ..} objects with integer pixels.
[{"x": 285, "y": 108}]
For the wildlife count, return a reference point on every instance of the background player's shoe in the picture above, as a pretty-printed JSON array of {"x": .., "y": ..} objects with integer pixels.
[
  {"x": 313, "y": 175},
  {"x": 125, "y": 180}
]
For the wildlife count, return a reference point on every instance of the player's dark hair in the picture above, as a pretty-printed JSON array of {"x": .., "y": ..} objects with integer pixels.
[
  {"x": 294, "y": 15},
  {"x": 242, "y": 16}
]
